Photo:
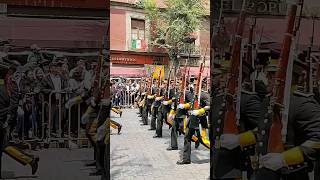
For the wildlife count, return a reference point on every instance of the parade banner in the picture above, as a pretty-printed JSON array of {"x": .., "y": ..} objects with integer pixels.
[
  {"x": 154, "y": 71},
  {"x": 158, "y": 71}
]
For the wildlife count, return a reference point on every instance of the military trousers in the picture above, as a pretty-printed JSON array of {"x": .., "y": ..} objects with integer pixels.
[
  {"x": 140, "y": 110},
  {"x": 187, "y": 144},
  {"x": 174, "y": 132},
  {"x": 100, "y": 162},
  {"x": 191, "y": 130},
  {"x": 160, "y": 118},
  {"x": 145, "y": 115},
  {"x": 3, "y": 142},
  {"x": 106, "y": 172},
  {"x": 154, "y": 118}
]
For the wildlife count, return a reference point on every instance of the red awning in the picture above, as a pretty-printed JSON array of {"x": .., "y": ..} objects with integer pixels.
[
  {"x": 127, "y": 71},
  {"x": 52, "y": 33}
]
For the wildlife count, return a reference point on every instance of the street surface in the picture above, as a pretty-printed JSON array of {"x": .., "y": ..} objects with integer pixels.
[
  {"x": 135, "y": 155},
  {"x": 54, "y": 164}
]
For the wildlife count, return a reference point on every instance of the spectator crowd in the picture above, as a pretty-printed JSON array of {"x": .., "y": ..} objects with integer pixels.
[{"x": 44, "y": 87}]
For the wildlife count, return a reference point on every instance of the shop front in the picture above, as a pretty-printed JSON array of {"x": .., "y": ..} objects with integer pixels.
[{"x": 132, "y": 64}]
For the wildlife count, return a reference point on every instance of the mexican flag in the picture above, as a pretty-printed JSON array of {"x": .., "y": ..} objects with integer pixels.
[{"x": 137, "y": 44}]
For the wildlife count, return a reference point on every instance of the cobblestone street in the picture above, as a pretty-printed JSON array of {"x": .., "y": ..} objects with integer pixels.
[{"x": 136, "y": 155}]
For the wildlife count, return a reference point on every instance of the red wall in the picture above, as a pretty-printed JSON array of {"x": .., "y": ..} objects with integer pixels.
[{"x": 117, "y": 29}]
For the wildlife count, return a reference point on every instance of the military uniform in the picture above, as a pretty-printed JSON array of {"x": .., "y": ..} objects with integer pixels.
[
  {"x": 178, "y": 120},
  {"x": 140, "y": 99},
  {"x": 193, "y": 127},
  {"x": 163, "y": 111},
  {"x": 228, "y": 163},
  {"x": 302, "y": 140},
  {"x": 8, "y": 115},
  {"x": 155, "y": 107},
  {"x": 147, "y": 108}
]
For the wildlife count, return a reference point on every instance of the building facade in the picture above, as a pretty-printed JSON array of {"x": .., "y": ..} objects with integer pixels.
[
  {"x": 129, "y": 41},
  {"x": 70, "y": 27}
]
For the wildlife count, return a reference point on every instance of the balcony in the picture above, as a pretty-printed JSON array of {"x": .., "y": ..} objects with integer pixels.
[{"x": 195, "y": 51}]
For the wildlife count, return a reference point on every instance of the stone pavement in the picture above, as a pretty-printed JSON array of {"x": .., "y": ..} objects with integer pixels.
[
  {"x": 55, "y": 164},
  {"x": 136, "y": 155}
]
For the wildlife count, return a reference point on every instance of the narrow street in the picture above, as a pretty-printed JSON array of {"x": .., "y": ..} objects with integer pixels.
[{"x": 136, "y": 155}]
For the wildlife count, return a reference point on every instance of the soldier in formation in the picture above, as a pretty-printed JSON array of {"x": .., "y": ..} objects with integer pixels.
[{"x": 8, "y": 120}]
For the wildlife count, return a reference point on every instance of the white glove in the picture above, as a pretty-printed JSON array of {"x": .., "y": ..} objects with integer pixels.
[
  {"x": 4, "y": 125},
  {"x": 158, "y": 98},
  {"x": 93, "y": 103},
  {"x": 207, "y": 108},
  {"x": 20, "y": 111},
  {"x": 171, "y": 117},
  {"x": 273, "y": 161},
  {"x": 165, "y": 102},
  {"x": 194, "y": 112},
  {"x": 230, "y": 141},
  {"x": 181, "y": 106}
]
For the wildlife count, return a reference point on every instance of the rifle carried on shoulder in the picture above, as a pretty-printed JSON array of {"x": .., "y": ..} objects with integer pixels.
[{"x": 274, "y": 142}]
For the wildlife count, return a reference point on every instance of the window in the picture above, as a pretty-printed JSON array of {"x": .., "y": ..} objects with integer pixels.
[
  {"x": 3, "y": 8},
  {"x": 137, "y": 34},
  {"x": 227, "y": 5}
]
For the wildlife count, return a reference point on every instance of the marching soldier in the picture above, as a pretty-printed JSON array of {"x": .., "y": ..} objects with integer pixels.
[
  {"x": 141, "y": 103},
  {"x": 195, "y": 117},
  {"x": 149, "y": 100},
  {"x": 302, "y": 145},
  {"x": 231, "y": 157},
  {"x": 8, "y": 114},
  {"x": 92, "y": 124},
  {"x": 181, "y": 114},
  {"x": 155, "y": 105},
  {"x": 163, "y": 111},
  {"x": 145, "y": 106}
]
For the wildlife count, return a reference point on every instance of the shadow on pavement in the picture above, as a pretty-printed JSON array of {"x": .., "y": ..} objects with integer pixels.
[{"x": 10, "y": 175}]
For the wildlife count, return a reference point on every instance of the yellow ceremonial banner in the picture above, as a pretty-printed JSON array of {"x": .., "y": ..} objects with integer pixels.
[{"x": 158, "y": 71}]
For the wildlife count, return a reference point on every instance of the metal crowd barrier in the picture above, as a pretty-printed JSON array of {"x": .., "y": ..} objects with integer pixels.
[
  {"x": 68, "y": 134},
  {"x": 43, "y": 111},
  {"x": 129, "y": 99},
  {"x": 46, "y": 121},
  {"x": 34, "y": 116}
]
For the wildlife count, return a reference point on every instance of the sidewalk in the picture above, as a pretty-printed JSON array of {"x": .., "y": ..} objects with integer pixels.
[{"x": 136, "y": 155}]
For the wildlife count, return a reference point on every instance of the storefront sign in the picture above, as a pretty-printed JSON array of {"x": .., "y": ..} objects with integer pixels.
[
  {"x": 269, "y": 7},
  {"x": 118, "y": 58},
  {"x": 123, "y": 60}
]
